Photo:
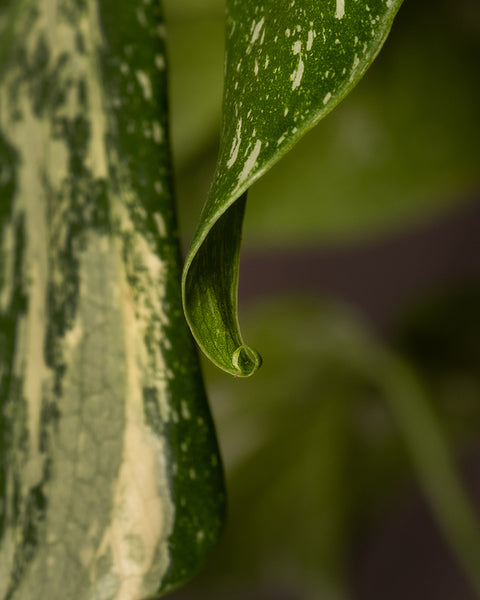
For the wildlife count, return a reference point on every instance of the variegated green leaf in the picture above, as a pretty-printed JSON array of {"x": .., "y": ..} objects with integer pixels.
[
  {"x": 110, "y": 480},
  {"x": 288, "y": 64}
]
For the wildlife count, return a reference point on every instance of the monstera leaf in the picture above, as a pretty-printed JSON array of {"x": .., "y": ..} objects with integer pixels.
[{"x": 287, "y": 65}]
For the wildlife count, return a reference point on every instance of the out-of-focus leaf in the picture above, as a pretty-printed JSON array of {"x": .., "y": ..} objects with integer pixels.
[
  {"x": 315, "y": 452},
  {"x": 441, "y": 336},
  {"x": 286, "y": 68},
  {"x": 191, "y": 10},
  {"x": 195, "y": 76},
  {"x": 442, "y": 332}
]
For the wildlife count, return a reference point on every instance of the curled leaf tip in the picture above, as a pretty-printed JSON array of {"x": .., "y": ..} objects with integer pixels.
[
  {"x": 246, "y": 361},
  {"x": 284, "y": 71}
]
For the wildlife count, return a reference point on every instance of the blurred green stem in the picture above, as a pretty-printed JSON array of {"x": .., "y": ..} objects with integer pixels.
[{"x": 432, "y": 460}]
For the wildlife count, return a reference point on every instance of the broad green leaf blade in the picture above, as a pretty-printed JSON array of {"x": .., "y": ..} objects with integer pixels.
[
  {"x": 287, "y": 65},
  {"x": 110, "y": 480}
]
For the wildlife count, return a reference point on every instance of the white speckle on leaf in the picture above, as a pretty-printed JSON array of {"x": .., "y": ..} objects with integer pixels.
[
  {"x": 327, "y": 98},
  {"x": 142, "y": 19},
  {"x": 160, "y": 62},
  {"x": 250, "y": 162},
  {"x": 296, "y": 76},
  {"x": 236, "y": 145},
  {"x": 256, "y": 34},
  {"x": 160, "y": 222},
  {"x": 157, "y": 132},
  {"x": 185, "y": 412},
  {"x": 340, "y": 11},
  {"x": 311, "y": 37},
  {"x": 145, "y": 83},
  {"x": 356, "y": 62}
]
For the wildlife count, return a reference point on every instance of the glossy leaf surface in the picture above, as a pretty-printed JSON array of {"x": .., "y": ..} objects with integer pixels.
[
  {"x": 286, "y": 67},
  {"x": 375, "y": 175}
]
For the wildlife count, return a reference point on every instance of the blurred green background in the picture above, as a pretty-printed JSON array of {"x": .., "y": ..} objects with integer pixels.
[{"x": 361, "y": 253}]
